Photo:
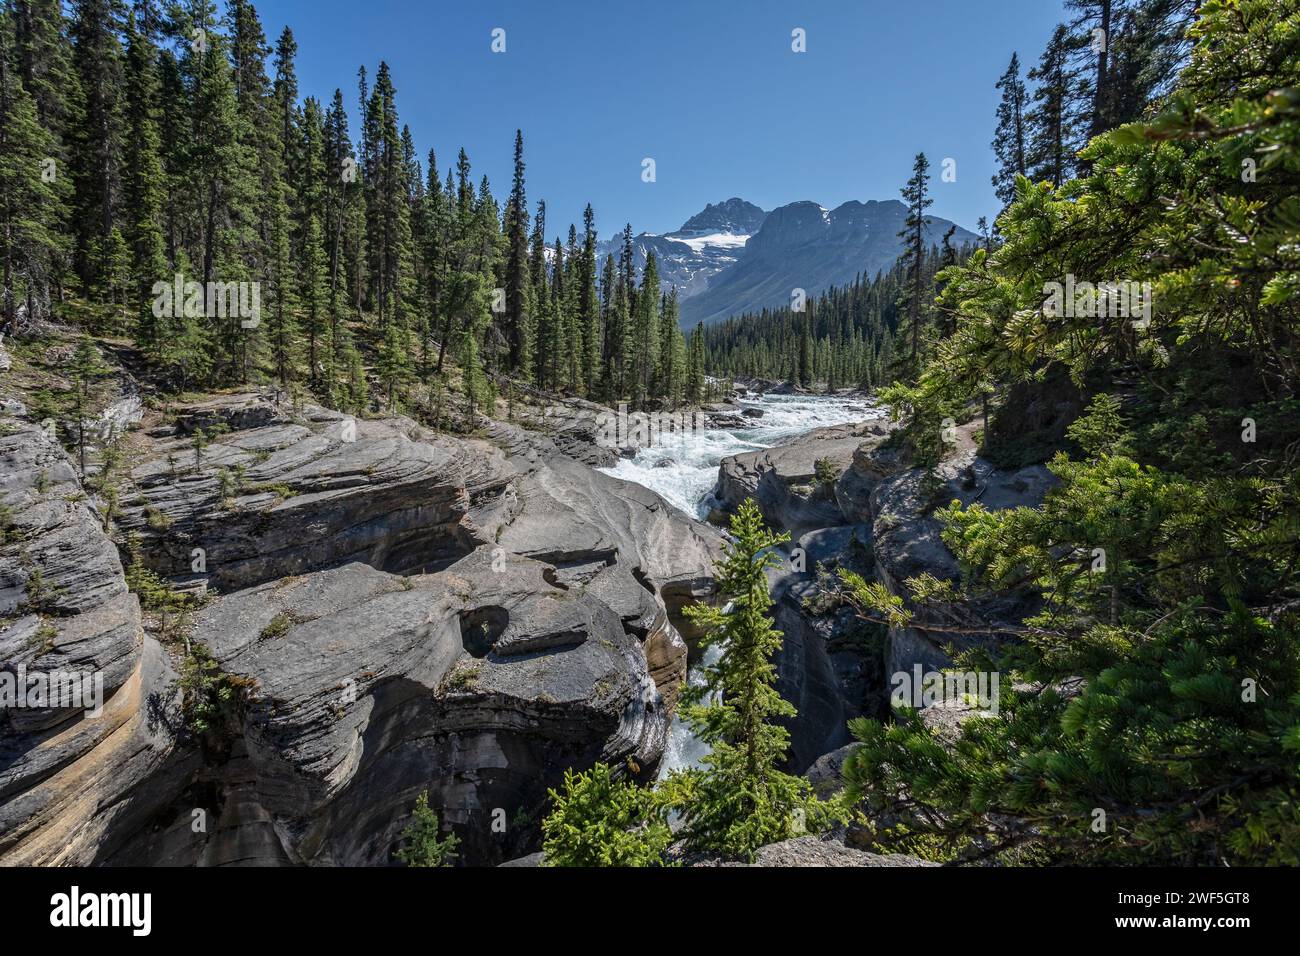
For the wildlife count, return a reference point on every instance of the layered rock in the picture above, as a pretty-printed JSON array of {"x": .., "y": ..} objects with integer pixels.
[
  {"x": 829, "y": 662},
  {"x": 784, "y": 481},
  {"x": 873, "y": 460},
  {"x": 267, "y": 491},
  {"x": 403, "y": 611},
  {"x": 479, "y": 684},
  {"x": 70, "y": 772}
]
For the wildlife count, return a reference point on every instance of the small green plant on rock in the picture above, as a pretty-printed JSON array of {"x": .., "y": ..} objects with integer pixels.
[
  {"x": 825, "y": 472},
  {"x": 278, "y": 626},
  {"x": 599, "y": 821},
  {"x": 42, "y": 640},
  {"x": 210, "y": 695},
  {"x": 422, "y": 844}
]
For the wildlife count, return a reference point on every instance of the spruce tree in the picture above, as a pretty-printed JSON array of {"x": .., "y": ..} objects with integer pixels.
[
  {"x": 281, "y": 324},
  {"x": 518, "y": 283},
  {"x": 1054, "y": 117},
  {"x": 86, "y": 371},
  {"x": 314, "y": 300},
  {"x": 916, "y": 195},
  {"x": 644, "y": 358},
  {"x": 422, "y": 843},
  {"x": 31, "y": 205},
  {"x": 144, "y": 192},
  {"x": 1009, "y": 138},
  {"x": 805, "y": 374},
  {"x": 740, "y": 800},
  {"x": 97, "y": 141},
  {"x": 612, "y": 345},
  {"x": 286, "y": 99},
  {"x": 696, "y": 367},
  {"x": 589, "y": 310},
  {"x": 672, "y": 352}
]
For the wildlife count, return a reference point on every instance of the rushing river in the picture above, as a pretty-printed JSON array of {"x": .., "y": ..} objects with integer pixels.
[
  {"x": 685, "y": 468},
  {"x": 684, "y": 471}
]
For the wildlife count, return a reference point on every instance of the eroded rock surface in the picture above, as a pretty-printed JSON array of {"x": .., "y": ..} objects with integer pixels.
[
  {"x": 783, "y": 479},
  {"x": 70, "y": 775},
  {"x": 404, "y": 612},
  {"x": 822, "y": 852}
]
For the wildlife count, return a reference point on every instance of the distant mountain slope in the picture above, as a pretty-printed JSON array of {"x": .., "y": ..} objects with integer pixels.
[
  {"x": 706, "y": 244},
  {"x": 803, "y": 245}
]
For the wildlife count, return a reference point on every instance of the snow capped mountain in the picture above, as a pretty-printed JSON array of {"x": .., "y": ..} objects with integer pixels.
[
  {"x": 706, "y": 244},
  {"x": 804, "y": 245},
  {"x": 732, "y": 257}
]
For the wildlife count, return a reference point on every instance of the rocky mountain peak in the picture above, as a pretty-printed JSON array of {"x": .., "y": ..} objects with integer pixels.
[{"x": 731, "y": 215}]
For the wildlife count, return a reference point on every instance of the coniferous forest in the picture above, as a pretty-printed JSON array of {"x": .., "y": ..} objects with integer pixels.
[{"x": 988, "y": 558}]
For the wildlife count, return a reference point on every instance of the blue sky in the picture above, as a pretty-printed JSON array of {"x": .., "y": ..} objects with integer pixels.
[{"x": 710, "y": 90}]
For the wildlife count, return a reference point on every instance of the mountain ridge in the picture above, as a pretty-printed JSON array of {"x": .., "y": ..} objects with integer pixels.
[{"x": 732, "y": 257}]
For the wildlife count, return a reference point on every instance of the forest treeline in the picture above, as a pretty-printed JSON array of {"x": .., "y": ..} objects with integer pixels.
[
  {"x": 151, "y": 140},
  {"x": 148, "y": 145}
]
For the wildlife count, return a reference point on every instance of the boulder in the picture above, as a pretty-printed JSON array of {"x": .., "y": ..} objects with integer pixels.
[
  {"x": 783, "y": 480},
  {"x": 585, "y": 431},
  {"x": 873, "y": 460},
  {"x": 827, "y": 772}
]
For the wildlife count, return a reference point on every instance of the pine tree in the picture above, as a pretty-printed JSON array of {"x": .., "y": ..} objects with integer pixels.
[
  {"x": 1053, "y": 119},
  {"x": 388, "y": 204},
  {"x": 314, "y": 299},
  {"x": 672, "y": 352},
  {"x": 740, "y": 800},
  {"x": 343, "y": 220},
  {"x": 589, "y": 311},
  {"x": 86, "y": 371},
  {"x": 696, "y": 367},
  {"x": 471, "y": 370},
  {"x": 1009, "y": 139},
  {"x": 220, "y": 176},
  {"x": 804, "y": 376},
  {"x": 644, "y": 357},
  {"x": 97, "y": 140},
  {"x": 44, "y": 63},
  {"x": 44, "y": 60},
  {"x": 916, "y": 195},
  {"x": 422, "y": 843},
  {"x": 286, "y": 100},
  {"x": 613, "y": 345},
  {"x": 31, "y": 207},
  {"x": 281, "y": 325},
  {"x": 144, "y": 194},
  {"x": 394, "y": 366},
  {"x": 600, "y": 821},
  {"x": 1163, "y": 561},
  {"x": 518, "y": 283}
]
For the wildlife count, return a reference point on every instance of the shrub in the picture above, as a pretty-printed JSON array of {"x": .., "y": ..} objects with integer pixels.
[
  {"x": 422, "y": 845},
  {"x": 600, "y": 821}
]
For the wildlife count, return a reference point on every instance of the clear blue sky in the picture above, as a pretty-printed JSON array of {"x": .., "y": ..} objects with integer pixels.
[{"x": 711, "y": 90}]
